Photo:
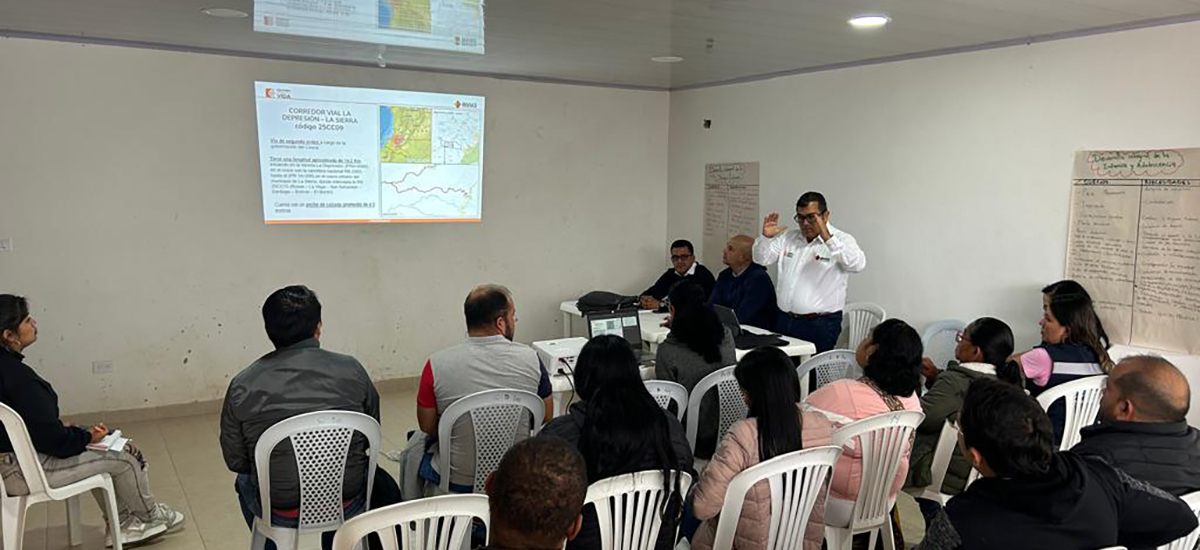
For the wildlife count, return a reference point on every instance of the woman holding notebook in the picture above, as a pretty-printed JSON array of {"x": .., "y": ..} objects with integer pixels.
[{"x": 62, "y": 448}]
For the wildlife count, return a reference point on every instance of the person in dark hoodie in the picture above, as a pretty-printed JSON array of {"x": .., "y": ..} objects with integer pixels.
[
  {"x": 619, "y": 429},
  {"x": 1032, "y": 497},
  {"x": 745, "y": 286},
  {"x": 1143, "y": 425}
]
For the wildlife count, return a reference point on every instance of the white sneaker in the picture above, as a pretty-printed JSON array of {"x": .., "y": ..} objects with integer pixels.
[
  {"x": 163, "y": 514},
  {"x": 135, "y": 531}
]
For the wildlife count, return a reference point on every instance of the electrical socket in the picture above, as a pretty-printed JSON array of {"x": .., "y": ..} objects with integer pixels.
[
  {"x": 6, "y": 245},
  {"x": 102, "y": 367}
]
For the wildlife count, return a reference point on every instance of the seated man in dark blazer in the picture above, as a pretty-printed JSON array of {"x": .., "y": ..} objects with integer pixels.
[
  {"x": 684, "y": 266},
  {"x": 745, "y": 286},
  {"x": 1143, "y": 425}
]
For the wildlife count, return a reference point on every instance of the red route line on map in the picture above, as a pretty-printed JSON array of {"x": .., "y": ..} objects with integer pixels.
[{"x": 395, "y": 185}]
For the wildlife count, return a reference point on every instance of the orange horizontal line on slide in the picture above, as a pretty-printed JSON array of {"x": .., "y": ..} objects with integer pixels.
[{"x": 322, "y": 222}]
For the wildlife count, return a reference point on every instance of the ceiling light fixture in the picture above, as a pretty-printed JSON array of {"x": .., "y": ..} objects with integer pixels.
[
  {"x": 874, "y": 21},
  {"x": 666, "y": 59},
  {"x": 224, "y": 13}
]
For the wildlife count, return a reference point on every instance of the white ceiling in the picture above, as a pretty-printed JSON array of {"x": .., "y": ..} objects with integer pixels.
[{"x": 611, "y": 41}]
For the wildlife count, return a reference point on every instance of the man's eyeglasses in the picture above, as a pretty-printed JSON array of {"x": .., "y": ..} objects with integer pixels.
[
  {"x": 680, "y": 257},
  {"x": 959, "y": 337},
  {"x": 810, "y": 218}
]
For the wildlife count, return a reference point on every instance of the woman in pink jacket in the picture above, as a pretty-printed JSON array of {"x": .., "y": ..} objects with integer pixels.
[
  {"x": 774, "y": 426},
  {"x": 891, "y": 362}
]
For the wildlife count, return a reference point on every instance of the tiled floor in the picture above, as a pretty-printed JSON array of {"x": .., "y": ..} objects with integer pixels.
[{"x": 188, "y": 473}]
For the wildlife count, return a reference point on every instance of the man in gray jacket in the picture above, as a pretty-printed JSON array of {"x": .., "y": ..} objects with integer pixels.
[{"x": 298, "y": 377}]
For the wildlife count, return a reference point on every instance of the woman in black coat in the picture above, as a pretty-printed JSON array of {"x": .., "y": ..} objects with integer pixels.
[
  {"x": 620, "y": 429},
  {"x": 63, "y": 449}
]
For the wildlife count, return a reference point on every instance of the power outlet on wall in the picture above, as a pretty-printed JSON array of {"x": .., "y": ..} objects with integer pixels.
[
  {"x": 102, "y": 367},
  {"x": 6, "y": 245}
]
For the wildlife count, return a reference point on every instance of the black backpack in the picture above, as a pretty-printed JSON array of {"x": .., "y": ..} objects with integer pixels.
[{"x": 599, "y": 301}]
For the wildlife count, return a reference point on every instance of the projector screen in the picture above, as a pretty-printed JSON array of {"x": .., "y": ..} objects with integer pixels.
[
  {"x": 355, "y": 155},
  {"x": 455, "y": 25}
]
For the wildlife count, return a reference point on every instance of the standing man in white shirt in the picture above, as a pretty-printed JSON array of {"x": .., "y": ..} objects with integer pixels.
[{"x": 814, "y": 262}]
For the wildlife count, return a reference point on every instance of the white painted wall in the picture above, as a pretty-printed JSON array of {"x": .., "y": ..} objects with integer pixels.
[
  {"x": 129, "y": 185},
  {"x": 952, "y": 172}
]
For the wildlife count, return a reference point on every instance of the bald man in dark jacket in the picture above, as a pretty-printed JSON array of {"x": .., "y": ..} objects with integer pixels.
[{"x": 1143, "y": 426}]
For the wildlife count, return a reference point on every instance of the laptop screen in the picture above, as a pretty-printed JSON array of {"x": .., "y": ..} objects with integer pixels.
[
  {"x": 624, "y": 323},
  {"x": 728, "y": 318}
]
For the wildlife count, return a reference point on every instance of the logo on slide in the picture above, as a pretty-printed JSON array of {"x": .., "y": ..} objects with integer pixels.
[
  {"x": 280, "y": 93},
  {"x": 271, "y": 93}
]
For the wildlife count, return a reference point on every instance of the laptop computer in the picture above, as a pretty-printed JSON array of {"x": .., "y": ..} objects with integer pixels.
[
  {"x": 625, "y": 323},
  {"x": 744, "y": 339}
]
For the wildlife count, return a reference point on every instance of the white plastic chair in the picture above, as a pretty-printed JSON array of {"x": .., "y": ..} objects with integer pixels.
[
  {"x": 14, "y": 507},
  {"x": 796, "y": 479},
  {"x": 828, "y": 366},
  {"x": 497, "y": 422},
  {"x": 321, "y": 444},
  {"x": 1188, "y": 542},
  {"x": 942, "y": 454},
  {"x": 666, "y": 392},
  {"x": 947, "y": 441},
  {"x": 861, "y": 317},
  {"x": 729, "y": 402},
  {"x": 433, "y": 523},
  {"x": 1082, "y": 405},
  {"x": 629, "y": 508},
  {"x": 939, "y": 340},
  {"x": 884, "y": 440}
]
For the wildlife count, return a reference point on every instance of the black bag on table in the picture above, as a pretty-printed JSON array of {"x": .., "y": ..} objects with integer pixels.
[{"x": 598, "y": 301}]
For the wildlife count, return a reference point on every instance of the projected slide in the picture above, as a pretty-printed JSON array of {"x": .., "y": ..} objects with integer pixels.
[
  {"x": 455, "y": 25},
  {"x": 353, "y": 155}
]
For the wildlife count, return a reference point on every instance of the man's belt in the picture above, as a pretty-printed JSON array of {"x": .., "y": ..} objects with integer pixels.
[{"x": 810, "y": 315}]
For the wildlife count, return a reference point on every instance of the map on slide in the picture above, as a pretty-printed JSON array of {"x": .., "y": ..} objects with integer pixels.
[
  {"x": 456, "y": 137},
  {"x": 405, "y": 134},
  {"x": 430, "y": 191},
  {"x": 406, "y": 15},
  {"x": 430, "y": 162}
]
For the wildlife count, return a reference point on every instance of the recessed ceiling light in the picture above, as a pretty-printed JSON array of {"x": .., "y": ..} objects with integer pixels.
[
  {"x": 666, "y": 59},
  {"x": 224, "y": 13},
  {"x": 869, "y": 21}
]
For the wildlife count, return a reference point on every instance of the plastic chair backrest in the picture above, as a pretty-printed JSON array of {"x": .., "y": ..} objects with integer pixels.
[
  {"x": 861, "y": 318},
  {"x": 796, "y": 479},
  {"x": 27, "y": 458},
  {"x": 729, "y": 401},
  {"x": 666, "y": 392},
  {"x": 1188, "y": 542},
  {"x": 629, "y": 508},
  {"x": 942, "y": 454},
  {"x": 837, "y": 364},
  {"x": 433, "y": 523},
  {"x": 939, "y": 340},
  {"x": 884, "y": 440},
  {"x": 498, "y": 419},
  {"x": 971, "y": 477},
  {"x": 320, "y": 443},
  {"x": 1082, "y": 405}
]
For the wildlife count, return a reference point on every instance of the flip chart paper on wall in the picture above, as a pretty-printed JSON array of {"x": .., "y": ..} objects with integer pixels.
[
  {"x": 730, "y": 207},
  {"x": 1134, "y": 244}
]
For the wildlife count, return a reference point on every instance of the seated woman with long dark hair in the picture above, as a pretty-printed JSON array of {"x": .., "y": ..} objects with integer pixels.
[
  {"x": 62, "y": 448},
  {"x": 774, "y": 426},
  {"x": 1074, "y": 345},
  {"x": 619, "y": 429},
  {"x": 981, "y": 351},
  {"x": 697, "y": 345},
  {"x": 891, "y": 361}
]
